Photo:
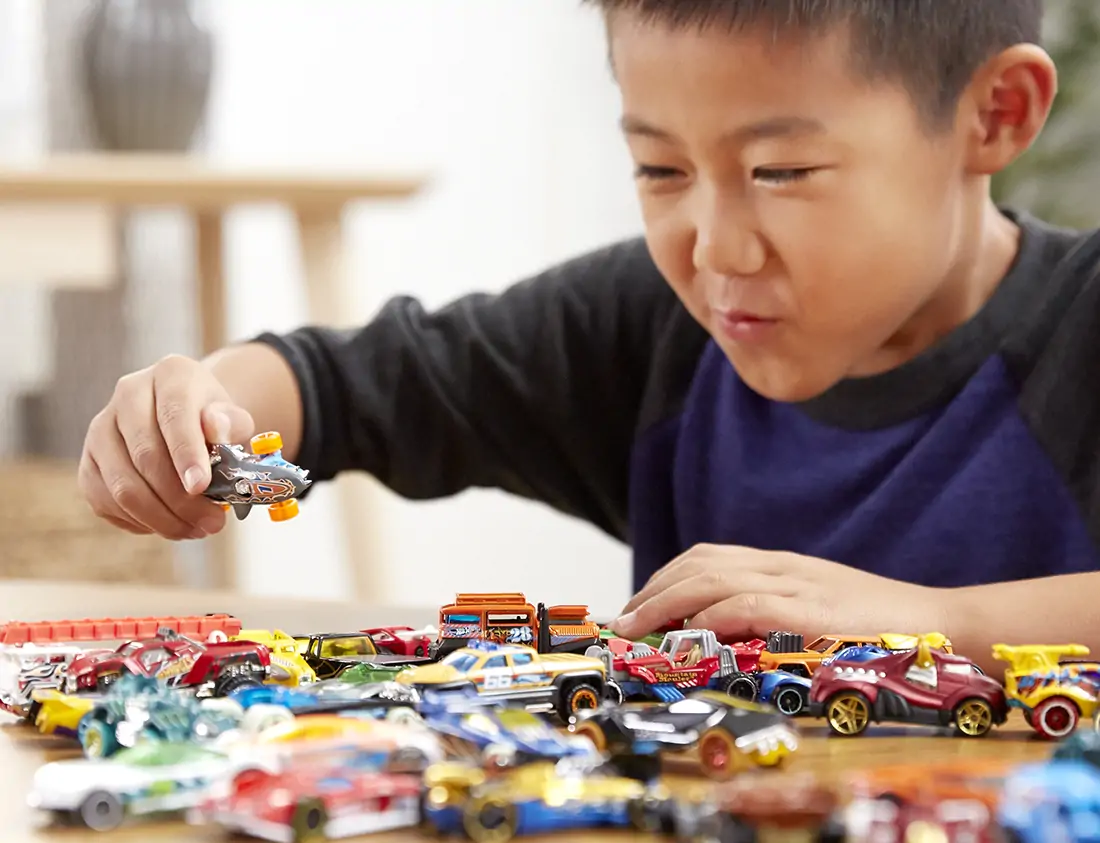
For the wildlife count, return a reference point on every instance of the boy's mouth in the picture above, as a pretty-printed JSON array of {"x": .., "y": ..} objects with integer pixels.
[{"x": 744, "y": 327}]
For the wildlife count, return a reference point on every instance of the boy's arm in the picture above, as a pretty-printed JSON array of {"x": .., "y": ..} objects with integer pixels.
[
  {"x": 535, "y": 391},
  {"x": 1051, "y": 610}
]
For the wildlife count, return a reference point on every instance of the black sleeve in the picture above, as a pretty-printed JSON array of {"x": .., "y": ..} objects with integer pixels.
[
  {"x": 1056, "y": 361},
  {"x": 536, "y": 391}
]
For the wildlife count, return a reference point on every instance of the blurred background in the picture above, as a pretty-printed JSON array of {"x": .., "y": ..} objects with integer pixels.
[{"x": 503, "y": 114}]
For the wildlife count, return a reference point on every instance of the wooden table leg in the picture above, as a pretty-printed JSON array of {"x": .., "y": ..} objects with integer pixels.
[
  {"x": 221, "y": 556},
  {"x": 321, "y": 236}
]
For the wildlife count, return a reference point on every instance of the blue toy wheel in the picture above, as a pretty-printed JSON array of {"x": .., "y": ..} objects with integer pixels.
[{"x": 99, "y": 739}]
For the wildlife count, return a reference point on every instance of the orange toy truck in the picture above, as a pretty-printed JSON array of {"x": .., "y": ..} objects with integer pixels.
[{"x": 508, "y": 618}]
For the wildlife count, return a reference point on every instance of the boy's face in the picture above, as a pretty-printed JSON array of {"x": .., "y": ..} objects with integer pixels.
[{"x": 802, "y": 214}]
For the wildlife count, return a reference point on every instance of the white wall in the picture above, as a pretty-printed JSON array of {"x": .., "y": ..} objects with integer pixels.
[{"x": 511, "y": 105}]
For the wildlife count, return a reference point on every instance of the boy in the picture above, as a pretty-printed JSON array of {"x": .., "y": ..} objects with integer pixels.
[{"x": 834, "y": 388}]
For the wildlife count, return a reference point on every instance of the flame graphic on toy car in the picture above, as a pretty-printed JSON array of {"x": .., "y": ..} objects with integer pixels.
[
  {"x": 176, "y": 668},
  {"x": 257, "y": 487}
]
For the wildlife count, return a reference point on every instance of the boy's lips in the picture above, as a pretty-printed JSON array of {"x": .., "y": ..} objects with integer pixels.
[{"x": 744, "y": 327}]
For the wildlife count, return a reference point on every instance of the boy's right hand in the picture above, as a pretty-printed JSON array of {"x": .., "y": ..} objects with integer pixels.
[{"x": 146, "y": 459}]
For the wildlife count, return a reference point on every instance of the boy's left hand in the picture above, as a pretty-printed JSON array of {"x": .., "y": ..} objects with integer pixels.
[{"x": 744, "y": 593}]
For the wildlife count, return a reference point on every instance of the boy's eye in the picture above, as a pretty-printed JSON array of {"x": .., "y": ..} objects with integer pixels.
[
  {"x": 782, "y": 175},
  {"x": 643, "y": 171}
]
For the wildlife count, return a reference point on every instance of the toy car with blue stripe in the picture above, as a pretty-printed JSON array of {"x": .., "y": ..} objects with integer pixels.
[{"x": 535, "y": 798}]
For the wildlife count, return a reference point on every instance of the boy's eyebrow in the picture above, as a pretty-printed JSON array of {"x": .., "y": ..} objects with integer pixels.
[{"x": 773, "y": 127}]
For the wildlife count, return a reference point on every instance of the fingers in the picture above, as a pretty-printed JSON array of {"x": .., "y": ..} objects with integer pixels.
[
  {"x": 149, "y": 454},
  {"x": 692, "y": 597},
  {"x": 99, "y": 498},
  {"x": 224, "y": 423},
  {"x": 703, "y": 557},
  {"x": 753, "y": 614},
  {"x": 177, "y": 416},
  {"x": 130, "y": 492}
]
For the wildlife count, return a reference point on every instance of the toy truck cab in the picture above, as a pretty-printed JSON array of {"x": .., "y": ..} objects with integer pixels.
[
  {"x": 686, "y": 658},
  {"x": 1051, "y": 685},
  {"x": 508, "y": 618}
]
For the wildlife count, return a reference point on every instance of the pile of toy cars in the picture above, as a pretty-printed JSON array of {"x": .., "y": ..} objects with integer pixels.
[{"x": 514, "y": 719}]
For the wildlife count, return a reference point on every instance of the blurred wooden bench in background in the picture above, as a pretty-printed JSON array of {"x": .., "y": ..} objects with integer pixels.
[{"x": 48, "y": 532}]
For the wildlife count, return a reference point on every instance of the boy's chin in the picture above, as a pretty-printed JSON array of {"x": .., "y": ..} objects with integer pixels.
[{"x": 784, "y": 380}]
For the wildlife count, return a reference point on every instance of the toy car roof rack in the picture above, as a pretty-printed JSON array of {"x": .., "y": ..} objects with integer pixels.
[
  {"x": 505, "y": 598},
  {"x": 114, "y": 629}
]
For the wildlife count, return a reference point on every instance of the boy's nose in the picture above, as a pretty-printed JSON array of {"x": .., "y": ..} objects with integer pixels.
[{"x": 726, "y": 243}]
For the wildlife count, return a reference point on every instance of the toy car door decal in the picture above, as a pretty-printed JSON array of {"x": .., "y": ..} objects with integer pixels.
[
  {"x": 496, "y": 674},
  {"x": 526, "y": 671},
  {"x": 174, "y": 671}
]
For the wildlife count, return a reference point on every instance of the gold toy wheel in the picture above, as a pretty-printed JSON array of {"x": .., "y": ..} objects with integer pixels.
[
  {"x": 283, "y": 510},
  {"x": 267, "y": 443},
  {"x": 309, "y": 821},
  {"x": 489, "y": 820},
  {"x": 848, "y": 714},
  {"x": 974, "y": 718},
  {"x": 593, "y": 733},
  {"x": 718, "y": 753}
]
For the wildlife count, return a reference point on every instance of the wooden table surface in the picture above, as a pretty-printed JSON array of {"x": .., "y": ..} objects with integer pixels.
[{"x": 23, "y": 750}]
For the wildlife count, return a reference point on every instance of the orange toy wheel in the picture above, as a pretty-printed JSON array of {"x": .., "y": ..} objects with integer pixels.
[
  {"x": 283, "y": 510},
  {"x": 718, "y": 754},
  {"x": 593, "y": 733},
  {"x": 267, "y": 443}
]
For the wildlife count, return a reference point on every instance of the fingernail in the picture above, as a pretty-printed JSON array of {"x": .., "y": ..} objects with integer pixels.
[
  {"x": 198, "y": 533},
  {"x": 192, "y": 479}
]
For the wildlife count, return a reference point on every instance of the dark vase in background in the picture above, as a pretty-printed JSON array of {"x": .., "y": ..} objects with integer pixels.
[{"x": 147, "y": 67}]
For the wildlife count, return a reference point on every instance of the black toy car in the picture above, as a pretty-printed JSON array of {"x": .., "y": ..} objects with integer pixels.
[
  {"x": 263, "y": 478},
  {"x": 729, "y": 732}
]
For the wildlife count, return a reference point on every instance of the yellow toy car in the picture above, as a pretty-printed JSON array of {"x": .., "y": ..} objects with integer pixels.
[
  {"x": 535, "y": 798},
  {"x": 59, "y": 713},
  {"x": 287, "y": 665},
  {"x": 564, "y": 682},
  {"x": 1051, "y": 684}
]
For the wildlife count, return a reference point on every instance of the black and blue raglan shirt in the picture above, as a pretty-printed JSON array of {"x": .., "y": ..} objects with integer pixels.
[{"x": 591, "y": 389}]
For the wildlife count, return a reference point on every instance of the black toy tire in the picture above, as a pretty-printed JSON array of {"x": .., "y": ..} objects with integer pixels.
[
  {"x": 740, "y": 686},
  {"x": 645, "y": 816},
  {"x": 226, "y": 685},
  {"x": 613, "y": 692},
  {"x": 101, "y": 811},
  {"x": 572, "y": 697},
  {"x": 490, "y": 819},
  {"x": 783, "y": 701}
]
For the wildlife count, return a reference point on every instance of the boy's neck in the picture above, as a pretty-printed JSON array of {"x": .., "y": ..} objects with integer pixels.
[{"x": 989, "y": 247}]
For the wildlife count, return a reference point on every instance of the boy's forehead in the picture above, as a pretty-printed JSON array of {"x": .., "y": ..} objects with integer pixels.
[{"x": 701, "y": 75}]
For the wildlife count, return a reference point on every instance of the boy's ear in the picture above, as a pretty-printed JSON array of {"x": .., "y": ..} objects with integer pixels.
[{"x": 1007, "y": 106}]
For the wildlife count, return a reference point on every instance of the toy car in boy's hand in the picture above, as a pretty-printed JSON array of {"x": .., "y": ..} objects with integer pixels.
[{"x": 242, "y": 480}]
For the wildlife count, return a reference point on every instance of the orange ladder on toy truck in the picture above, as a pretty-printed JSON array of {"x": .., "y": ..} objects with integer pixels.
[{"x": 115, "y": 629}]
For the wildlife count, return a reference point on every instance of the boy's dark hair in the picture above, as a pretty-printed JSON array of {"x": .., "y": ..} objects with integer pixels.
[{"x": 931, "y": 47}]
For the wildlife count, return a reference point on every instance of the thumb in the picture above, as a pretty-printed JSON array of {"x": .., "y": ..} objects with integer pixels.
[{"x": 224, "y": 423}]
